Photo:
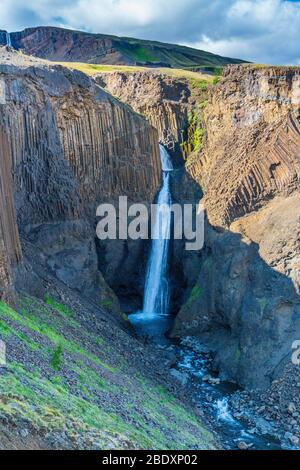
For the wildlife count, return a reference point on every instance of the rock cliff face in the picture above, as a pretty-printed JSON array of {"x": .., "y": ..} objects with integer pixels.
[
  {"x": 162, "y": 99},
  {"x": 252, "y": 130},
  {"x": 246, "y": 300},
  {"x": 10, "y": 251},
  {"x": 172, "y": 101},
  {"x": 71, "y": 146}
]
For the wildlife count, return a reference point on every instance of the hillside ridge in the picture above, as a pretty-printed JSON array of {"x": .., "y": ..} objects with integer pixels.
[{"x": 60, "y": 44}]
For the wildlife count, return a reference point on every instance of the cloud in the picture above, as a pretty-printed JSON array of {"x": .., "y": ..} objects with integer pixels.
[{"x": 264, "y": 31}]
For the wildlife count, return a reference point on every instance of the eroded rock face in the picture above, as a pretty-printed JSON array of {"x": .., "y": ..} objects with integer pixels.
[
  {"x": 10, "y": 250},
  {"x": 163, "y": 100},
  {"x": 252, "y": 143},
  {"x": 246, "y": 311},
  {"x": 246, "y": 303},
  {"x": 72, "y": 147},
  {"x": 65, "y": 45},
  {"x": 54, "y": 113}
]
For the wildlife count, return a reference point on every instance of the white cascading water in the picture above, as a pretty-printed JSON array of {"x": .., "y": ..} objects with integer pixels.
[
  {"x": 8, "y": 40},
  {"x": 223, "y": 412},
  {"x": 156, "y": 293}
]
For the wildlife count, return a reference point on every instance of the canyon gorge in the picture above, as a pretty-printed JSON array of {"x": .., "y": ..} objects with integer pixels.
[{"x": 70, "y": 141}]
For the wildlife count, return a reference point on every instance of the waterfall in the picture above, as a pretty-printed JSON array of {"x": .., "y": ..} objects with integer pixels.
[
  {"x": 156, "y": 292},
  {"x": 8, "y": 40},
  {"x": 166, "y": 162}
]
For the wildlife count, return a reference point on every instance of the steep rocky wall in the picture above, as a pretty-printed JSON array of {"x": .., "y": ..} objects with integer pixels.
[
  {"x": 246, "y": 310},
  {"x": 246, "y": 302},
  {"x": 251, "y": 154},
  {"x": 163, "y": 100},
  {"x": 112, "y": 151},
  {"x": 60, "y": 122},
  {"x": 10, "y": 251},
  {"x": 73, "y": 146},
  {"x": 248, "y": 272},
  {"x": 252, "y": 143}
]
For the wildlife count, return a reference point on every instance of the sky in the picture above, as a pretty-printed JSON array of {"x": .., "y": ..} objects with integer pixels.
[{"x": 262, "y": 31}]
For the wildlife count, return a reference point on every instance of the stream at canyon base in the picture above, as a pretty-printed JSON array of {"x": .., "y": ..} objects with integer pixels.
[{"x": 192, "y": 368}]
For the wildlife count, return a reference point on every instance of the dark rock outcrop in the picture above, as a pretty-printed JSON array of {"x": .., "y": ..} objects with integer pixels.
[
  {"x": 10, "y": 250},
  {"x": 161, "y": 99},
  {"x": 247, "y": 312},
  {"x": 246, "y": 303},
  {"x": 252, "y": 131},
  {"x": 72, "y": 147}
]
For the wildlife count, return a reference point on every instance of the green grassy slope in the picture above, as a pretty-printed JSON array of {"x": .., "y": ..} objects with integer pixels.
[
  {"x": 70, "y": 380},
  {"x": 144, "y": 52}
]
